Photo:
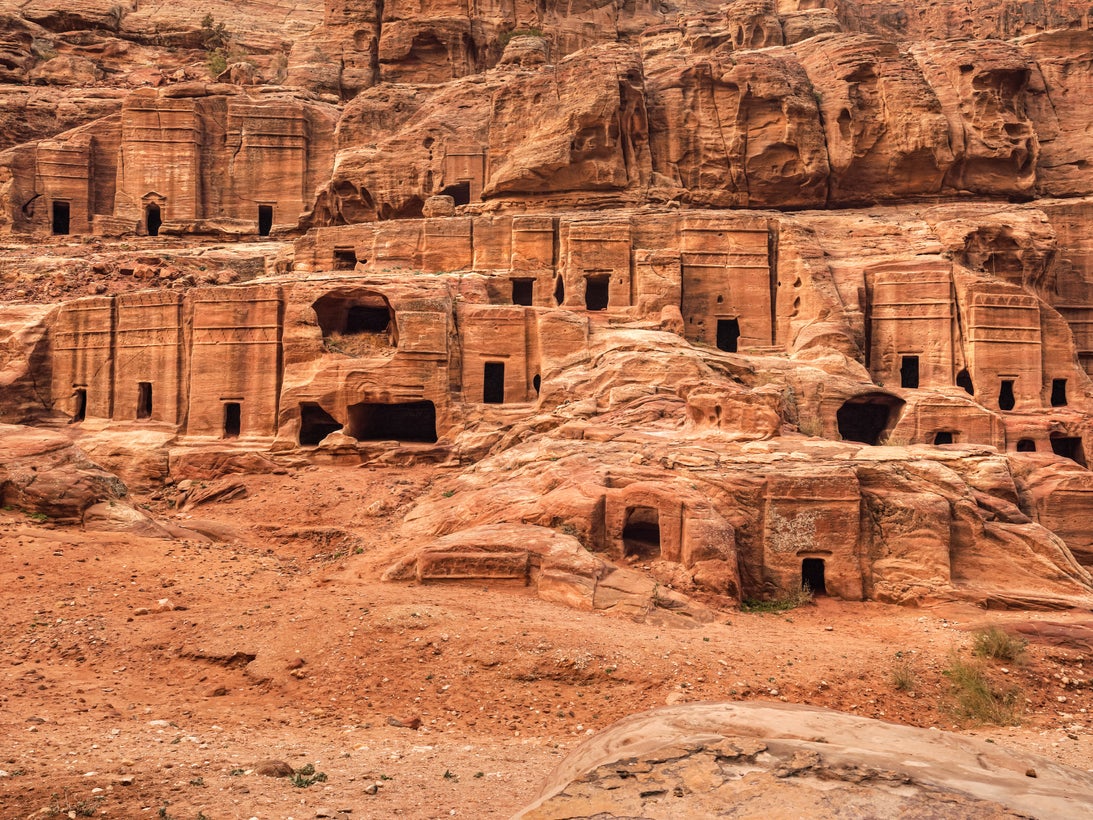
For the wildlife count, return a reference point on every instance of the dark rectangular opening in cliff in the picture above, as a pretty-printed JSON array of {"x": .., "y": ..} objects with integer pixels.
[
  {"x": 943, "y": 437},
  {"x": 366, "y": 319},
  {"x": 1058, "y": 392},
  {"x": 964, "y": 381},
  {"x": 345, "y": 259},
  {"x": 405, "y": 421},
  {"x": 61, "y": 218},
  {"x": 1006, "y": 400},
  {"x": 1026, "y": 445},
  {"x": 144, "y": 400},
  {"x": 315, "y": 424},
  {"x": 79, "y": 412},
  {"x": 908, "y": 372},
  {"x": 153, "y": 219},
  {"x": 1069, "y": 447},
  {"x": 596, "y": 292},
  {"x": 233, "y": 419},
  {"x": 812, "y": 576},
  {"x": 493, "y": 383},
  {"x": 641, "y": 533},
  {"x": 460, "y": 192},
  {"x": 523, "y": 292},
  {"x": 265, "y": 219},
  {"x": 728, "y": 335}
]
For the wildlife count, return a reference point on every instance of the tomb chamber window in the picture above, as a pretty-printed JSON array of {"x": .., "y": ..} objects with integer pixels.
[
  {"x": 812, "y": 576},
  {"x": 596, "y": 292},
  {"x": 866, "y": 418},
  {"x": 153, "y": 219},
  {"x": 144, "y": 400},
  {"x": 233, "y": 419},
  {"x": 61, "y": 218}
]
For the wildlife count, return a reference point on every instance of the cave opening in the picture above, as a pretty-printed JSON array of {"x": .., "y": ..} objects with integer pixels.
[
  {"x": 61, "y": 217},
  {"x": 943, "y": 437},
  {"x": 641, "y": 533},
  {"x": 345, "y": 259},
  {"x": 493, "y": 383},
  {"x": 144, "y": 400},
  {"x": 865, "y": 418},
  {"x": 1026, "y": 445},
  {"x": 1006, "y": 399},
  {"x": 80, "y": 411},
  {"x": 315, "y": 424},
  {"x": 596, "y": 292},
  {"x": 153, "y": 219},
  {"x": 1058, "y": 393},
  {"x": 523, "y": 292},
  {"x": 1068, "y": 447},
  {"x": 812, "y": 576},
  {"x": 728, "y": 334},
  {"x": 908, "y": 372},
  {"x": 559, "y": 291},
  {"x": 460, "y": 192},
  {"x": 964, "y": 381},
  {"x": 413, "y": 421},
  {"x": 233, "y": 419},
  {"x": 265, "y": 220}
]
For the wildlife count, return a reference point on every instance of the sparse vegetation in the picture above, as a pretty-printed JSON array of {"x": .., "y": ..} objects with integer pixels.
[
  {"x": 997, "y": 644},
  {"x": 506, "y": 37},
  {"x": 306, "y": 776},
  {"x": 975, "y": 697},
  {"x": 794, "y": 599},
  {"x": 904, "y": 677}
]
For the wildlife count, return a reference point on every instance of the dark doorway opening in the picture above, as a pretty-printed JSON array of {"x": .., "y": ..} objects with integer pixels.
[
  {"x": 964, "y": 381},
  {"x": 1026, "y": 445},
  {"x": 641, "y": 533},
  {"x": 406, "y": 421},
  {"x": 1069, "y": 447},
  {"x": 315, "y": 424},
  {"x": 460, "y": 192},
  {"x": 943, "y": 437},
  {"x": 728, "y": 334},
  {"x": 865, "y": 418},
  {"x": 537, "y": 383},
  {"x": 366, "y": 319},
  {"x": 144, "y": 400},
  {"x": 345, "y": 259},
  {"x": 79, "y": 413},
  {"x": 1058, "y": 392},
  {"x": 265, "y": 219},
  {"x": 596, "y": 290},
  {"x": 233, "y": 419},
  {"x": 812, "y": 576},
  {"x": 62, "y": 217},
  {"x": 559, "y": 291},
  {"x": 1006, "y": 400},
  {"x": 493, "y": 383},
  {"x": 153, "y": 219},
  {"x": 523, "y": 292},
  {"x": 908, "y": 372}
]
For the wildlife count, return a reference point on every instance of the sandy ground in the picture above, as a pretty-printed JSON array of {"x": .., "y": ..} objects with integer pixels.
[{"x": 144, "y": 677}]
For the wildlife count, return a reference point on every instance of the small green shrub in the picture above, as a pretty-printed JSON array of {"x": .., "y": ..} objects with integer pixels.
[
  {"x": 977, "y": 698},
  {"x": 997, "y": 644},
  {"x": 306, "y": 776}
]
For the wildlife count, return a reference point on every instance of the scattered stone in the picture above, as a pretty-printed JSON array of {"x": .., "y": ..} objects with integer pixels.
[{"x": 274, "y": 768}]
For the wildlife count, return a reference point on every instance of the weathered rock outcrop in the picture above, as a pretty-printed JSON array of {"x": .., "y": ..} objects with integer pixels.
[{"x": 728, "y": 759}]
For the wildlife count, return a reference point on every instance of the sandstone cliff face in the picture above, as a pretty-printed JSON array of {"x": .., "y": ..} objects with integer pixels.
[{"x": 527, "y": 244}]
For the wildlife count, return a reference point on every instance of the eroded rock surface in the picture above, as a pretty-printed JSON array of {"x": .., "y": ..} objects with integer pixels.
[{"x": 744, "y": 759}]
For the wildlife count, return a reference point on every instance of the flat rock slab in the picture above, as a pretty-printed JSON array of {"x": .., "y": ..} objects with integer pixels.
[{"x": 786, "y": 760}]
